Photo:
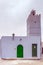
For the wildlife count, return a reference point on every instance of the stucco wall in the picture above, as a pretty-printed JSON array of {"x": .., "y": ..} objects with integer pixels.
[{"x": 9, "y": 46}]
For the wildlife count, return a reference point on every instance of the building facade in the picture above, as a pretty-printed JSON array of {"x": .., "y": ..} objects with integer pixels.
[{"x": 23, "y": 47}]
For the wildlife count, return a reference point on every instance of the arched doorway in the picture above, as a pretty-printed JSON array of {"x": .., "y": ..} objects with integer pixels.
[{"x": 20, "y": 51}]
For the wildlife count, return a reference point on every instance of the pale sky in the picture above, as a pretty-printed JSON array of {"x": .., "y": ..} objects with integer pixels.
[{"x": 13, "y": 15}]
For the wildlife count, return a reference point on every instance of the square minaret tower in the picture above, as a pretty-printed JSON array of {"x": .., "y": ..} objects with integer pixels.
[{"x": 33, "y": 24}]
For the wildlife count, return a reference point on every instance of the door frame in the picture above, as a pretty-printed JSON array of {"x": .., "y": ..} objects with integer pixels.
[{"x": 33, "y": 50}]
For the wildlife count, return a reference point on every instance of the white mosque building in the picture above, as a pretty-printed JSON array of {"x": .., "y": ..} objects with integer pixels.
[{"x": 23, "y": 47}]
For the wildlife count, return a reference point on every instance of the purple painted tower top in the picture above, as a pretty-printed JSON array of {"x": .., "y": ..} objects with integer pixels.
[{"x": 33, "y": 24}]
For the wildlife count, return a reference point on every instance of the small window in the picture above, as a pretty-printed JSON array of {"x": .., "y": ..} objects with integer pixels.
[
  {"x": 20, "y": 39},
  {"x": 34, "y": 21}
]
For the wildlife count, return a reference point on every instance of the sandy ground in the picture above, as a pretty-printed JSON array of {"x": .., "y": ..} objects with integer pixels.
[{"x": 21, "y": 62}]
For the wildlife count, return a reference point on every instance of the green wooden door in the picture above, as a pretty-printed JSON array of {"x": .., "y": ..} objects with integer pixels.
[
  {"x": 20, "y": 51},
  {"x": 34, "y": 50}
]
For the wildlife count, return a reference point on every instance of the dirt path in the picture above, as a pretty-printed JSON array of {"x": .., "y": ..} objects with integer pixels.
[{"x": 21, "y": 62}]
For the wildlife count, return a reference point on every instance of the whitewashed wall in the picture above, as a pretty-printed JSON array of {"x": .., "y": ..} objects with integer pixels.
[{"x": 9, "y": 46}]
